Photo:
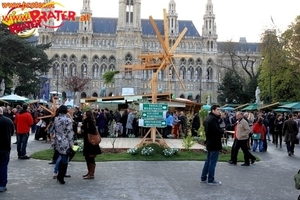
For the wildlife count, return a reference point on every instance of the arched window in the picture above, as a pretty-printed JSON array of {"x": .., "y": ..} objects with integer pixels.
[
  {"x": 84, "y": 70},
  {"x": 73, "y": 69},
  {"x": 84, "y": 58},
  {"x": 112, "y": 60},
  {"x": 73, "y": 58},
  {"x": 128, "y": 61},
  {"x": 103, "y": 69},
  {"x": 64, "y": 58},
  {"x": 96, "y": 59},
  {"x": 96, "y": 71},
  {"x": 64, "y": 66},
  {"x": 56, "y": 69},
  {"x": 103, "y": 59}
]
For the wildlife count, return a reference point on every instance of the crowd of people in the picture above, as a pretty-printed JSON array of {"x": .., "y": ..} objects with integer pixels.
[{"x": 251, "y": 131}]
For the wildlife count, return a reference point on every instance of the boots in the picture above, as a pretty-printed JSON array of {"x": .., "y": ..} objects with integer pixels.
[
  {"x": 62, "y": 172},
  {"x": 88, "y": 167},
  {"x": 92, "y": 171}
]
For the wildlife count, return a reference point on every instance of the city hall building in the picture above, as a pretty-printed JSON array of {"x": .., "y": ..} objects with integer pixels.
[{"x": 90, "y": 48}]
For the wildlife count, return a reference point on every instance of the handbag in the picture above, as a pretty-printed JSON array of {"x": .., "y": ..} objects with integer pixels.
[
  {"x": 94, "y": 138},
  {"x": 70, "y": 153},
  {"x": 256, "y": 136}
]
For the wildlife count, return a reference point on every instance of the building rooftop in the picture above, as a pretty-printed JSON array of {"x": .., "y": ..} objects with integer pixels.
[{"x": 109, "y": 25}]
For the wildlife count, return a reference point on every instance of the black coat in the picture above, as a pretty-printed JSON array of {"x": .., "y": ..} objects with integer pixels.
[
  {"x": 7, "y": 130},
  {"x": 196, "y": 122},
  {"x": 213, "y": 133},
  {"x": 88, "y": 126}
]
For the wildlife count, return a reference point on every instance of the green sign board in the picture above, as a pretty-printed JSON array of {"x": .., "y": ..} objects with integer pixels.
[
  {"x": 153, "y": 114},
  {"x": 154, "y": 106},
  {"x": 154, "y": 123}
]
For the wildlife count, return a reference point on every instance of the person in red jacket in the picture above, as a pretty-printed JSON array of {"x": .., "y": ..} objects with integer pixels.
[
  {"x": 23, "y": 121},
  {"x": 259, "y": 129}
]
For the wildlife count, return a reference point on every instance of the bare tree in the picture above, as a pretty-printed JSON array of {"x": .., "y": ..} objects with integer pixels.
[{"x": 76, "y": 83}]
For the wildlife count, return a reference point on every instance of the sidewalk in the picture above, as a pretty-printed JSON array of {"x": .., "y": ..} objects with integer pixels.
[{"x": 269, "y": 179}]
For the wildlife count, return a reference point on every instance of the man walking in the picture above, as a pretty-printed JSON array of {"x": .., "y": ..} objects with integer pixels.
[
  {"x": 7, "y": 130},
  {"x": 23, "y": 123},
  {"x": 213, "y": 134},
  {"x": 290, "y": 131},
  {"x": 242, "y": 131}
]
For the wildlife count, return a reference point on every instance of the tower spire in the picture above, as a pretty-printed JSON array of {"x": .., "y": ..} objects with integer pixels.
[
  {"x": 86, "y": 26},
  {"x": 172, "y": 18},
  {"x": 209, "y": 29}
]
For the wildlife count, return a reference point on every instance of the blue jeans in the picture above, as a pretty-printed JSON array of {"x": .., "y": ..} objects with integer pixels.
[
  {"x": 22, "y": 140},
  {"x": 209, "y": 166},
  {"x": 61, "y": 158},
  {"x": 258, "y": 143},
  {"x": 4, "y": 159},
  {"x": 57, "y": 164}
]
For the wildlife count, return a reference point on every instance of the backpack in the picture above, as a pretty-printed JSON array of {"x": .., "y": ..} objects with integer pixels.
[{"x": 297, "y": 180}]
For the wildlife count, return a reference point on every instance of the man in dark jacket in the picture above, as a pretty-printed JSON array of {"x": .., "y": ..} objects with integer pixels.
[
  {"x": 7, "y": 130},
  {"x": 195, "y": 124},
  {"x": 290, "y": 131},
  {"x": 213, "y": 134}
]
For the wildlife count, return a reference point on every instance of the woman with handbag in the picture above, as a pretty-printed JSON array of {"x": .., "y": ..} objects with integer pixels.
[
  {"x": 259, "y": 134},
  {"x": 63, "y": 140},
  {"x": 90, "y": 149}
]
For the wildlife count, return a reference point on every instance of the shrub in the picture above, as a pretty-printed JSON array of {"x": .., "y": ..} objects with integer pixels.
[
  {"x": 169, "y": 152},
  {"x": 133, "y": 151},
  {"x": 188, "y": 142},
  {"x": 147, "y": 151}
]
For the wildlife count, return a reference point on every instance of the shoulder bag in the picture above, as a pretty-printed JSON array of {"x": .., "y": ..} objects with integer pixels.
[{"x": 94, "y": 138}]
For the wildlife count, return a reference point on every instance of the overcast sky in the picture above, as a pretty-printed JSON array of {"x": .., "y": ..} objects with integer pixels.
[{"x": 234, "y": 18}]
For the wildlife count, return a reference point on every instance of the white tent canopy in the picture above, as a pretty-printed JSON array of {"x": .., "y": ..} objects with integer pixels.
[{"x": 14, "y": 98}]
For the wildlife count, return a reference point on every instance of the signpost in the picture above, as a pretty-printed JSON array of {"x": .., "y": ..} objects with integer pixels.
[
  {"x": 150, "y": 114},
  {"x": 155, "y": 123},
  {"x": 154, "y": 114},
  {"x": 154, "y": 106}
]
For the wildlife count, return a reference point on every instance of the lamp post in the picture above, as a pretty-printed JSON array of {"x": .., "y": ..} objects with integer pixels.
[
  {"x": 57, "y": 73},
  {"x": 200, "y": 89}
]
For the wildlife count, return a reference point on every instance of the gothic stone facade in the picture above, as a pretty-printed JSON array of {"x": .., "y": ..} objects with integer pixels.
[{"x": 91, "y": 48}]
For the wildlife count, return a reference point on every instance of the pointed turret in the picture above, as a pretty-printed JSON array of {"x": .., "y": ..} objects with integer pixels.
[{"x": 209, "y": 29}]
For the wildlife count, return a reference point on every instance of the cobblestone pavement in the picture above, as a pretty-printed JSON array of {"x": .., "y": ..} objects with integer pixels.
[{"x": 271, "y": 178}]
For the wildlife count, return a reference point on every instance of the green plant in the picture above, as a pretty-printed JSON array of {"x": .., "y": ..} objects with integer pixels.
[
  {"x": 108, "y": 76},
  {"x": 147, "y": 151},
  {"x": 133, "y": 151},
  {"x": 80, "y": 145},
  {"x": 169, "y": 152},
  {"x": 188, "y": 142},
  {"x": 124, "y": 156}
]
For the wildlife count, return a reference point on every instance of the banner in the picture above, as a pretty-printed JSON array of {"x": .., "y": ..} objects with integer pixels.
[{"x": 44, "y": 88}]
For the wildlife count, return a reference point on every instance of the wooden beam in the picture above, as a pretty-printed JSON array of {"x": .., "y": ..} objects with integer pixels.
[
  {"x": 178, "y": 40},
  {"x": 160, "y": 39},
  {"x": 166, "y": 29}
]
